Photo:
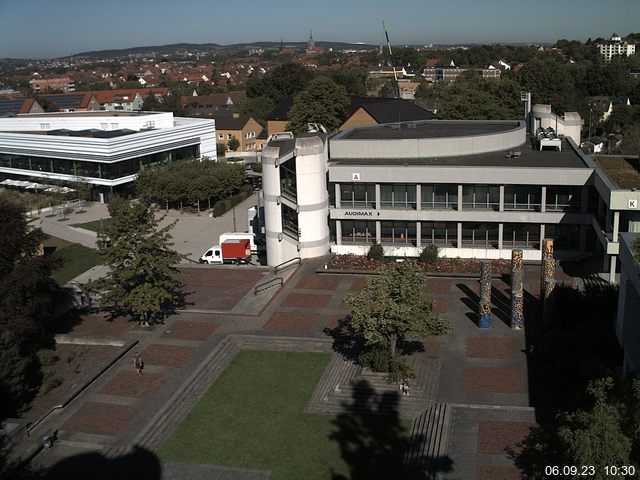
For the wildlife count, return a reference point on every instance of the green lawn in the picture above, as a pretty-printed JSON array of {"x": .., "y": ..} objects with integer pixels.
[
  {"x": 94, "y": 225},
  {"x": 76, "y": 259},
  {"x": 253, "y": 417}
]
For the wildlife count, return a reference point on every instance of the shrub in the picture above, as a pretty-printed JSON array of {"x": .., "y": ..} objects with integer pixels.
[
  {"x": 376, "y": 252},
  {"x": 399, "y": 370},
  {"x": 429, "y": 254},
  {"x": 47, "y": 357},
  {"x": 51, "y": 380},
  {"x": 375, "y": 358}
]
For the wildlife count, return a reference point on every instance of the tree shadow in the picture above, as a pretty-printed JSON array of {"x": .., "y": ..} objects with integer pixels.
[
  {"x": 374, "y": 442},
  {"x": 139, "y": 464}
]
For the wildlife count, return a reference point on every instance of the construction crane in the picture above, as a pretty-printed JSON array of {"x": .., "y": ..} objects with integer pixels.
[{"x": 395, "y": 74}]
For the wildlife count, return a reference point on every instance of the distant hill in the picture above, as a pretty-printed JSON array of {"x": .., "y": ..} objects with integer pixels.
[{"x": 212, "y": 47}]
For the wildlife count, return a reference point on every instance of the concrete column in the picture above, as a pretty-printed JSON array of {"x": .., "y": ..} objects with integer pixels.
[
  {"x": 419, "y": 234},
  {"x": 338, "y": 232},
  {"x": 501, "y": 207},
  {"x": 541, "y": 235},
  {"x": 459, "y": 197},
  {"x": 548, "y": 264},
  {"x": 459, "y": 235},
  {"x": 337, "y": 194},
  {"x": 616, "y": 226},
  {"x": 500, "y": 235},
  {"x": 378, "y": 232},
  {"x": 584, "y": 199},
  {"x": 543, "y": 199},
  {"x": 418, "y": 196},
  {"x": 377, "y": 196},
  {"x": 612, "y": 270}
]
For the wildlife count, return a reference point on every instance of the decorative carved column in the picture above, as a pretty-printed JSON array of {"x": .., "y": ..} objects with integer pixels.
[
  {"x": 517, "y": 290},
  {"x": 548, "y": 266},
  {"x": 548, "y": 307},
  {"x": 485, "y": 295}
]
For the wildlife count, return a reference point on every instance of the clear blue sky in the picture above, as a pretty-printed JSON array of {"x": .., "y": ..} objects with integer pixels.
[{"x": 51, "y": 28}]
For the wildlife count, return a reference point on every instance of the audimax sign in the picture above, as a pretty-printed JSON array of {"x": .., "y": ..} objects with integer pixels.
[{"x": 360, "y": 213}]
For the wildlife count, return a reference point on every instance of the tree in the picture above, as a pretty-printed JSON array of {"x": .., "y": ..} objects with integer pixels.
[
  {"x": 287, "y": 79},
  {"x": 26, "y": 299},
  {"x": 392, "y": 306},
  {"x": 354, "y": 79},
  {"x": 233, "y": 144},
  {"x": 322, "y": 101},
  {"x": 142, "y": 275},
  {"x": 257, "y": 108}
]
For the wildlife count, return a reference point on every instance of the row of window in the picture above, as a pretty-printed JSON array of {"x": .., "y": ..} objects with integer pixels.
[
  {"x": 445, "y": 196},
  {"x": 109, "y": 171},
  {"x": 446, "y": 234}
]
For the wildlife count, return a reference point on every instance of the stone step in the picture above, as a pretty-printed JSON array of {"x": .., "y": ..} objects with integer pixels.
[
  {"x": 428, "y": 444},
  {"x": 291, "y": 344}
]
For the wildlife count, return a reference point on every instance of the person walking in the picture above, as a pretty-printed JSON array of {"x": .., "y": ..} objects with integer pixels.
[{"x": 138, "y": 363}]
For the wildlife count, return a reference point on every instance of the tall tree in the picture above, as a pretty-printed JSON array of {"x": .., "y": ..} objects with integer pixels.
[
  {"x": 26, "y": 298},
  {"x": 322, "y": 101},
  {"x": 142, "y": 278},
  {"x": 392, "y": 306},
  {"x": 287, "y": 79}
]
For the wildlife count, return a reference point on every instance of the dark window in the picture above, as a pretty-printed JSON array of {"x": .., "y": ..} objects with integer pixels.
[
  {"x": 288, "y": 182},
  {"x": 398, "y": 232},
  {"x": 480, "y": 234},
  {"x": 290, "y": 221},
  {"x": 521, "y": 235},
  {"x": 563, "y": 199},
  {"x": 484, "y": 197},
  {"x": 565, "y": 237},
  {"x": 358, "y": 231},
  {"x": 399, "y": 195},
  {"x": 358, "y": 195},
  {"x": 522, "y": 197},
  {"x": 439, "y": 196},
  {"x": 439, "y": 233}
]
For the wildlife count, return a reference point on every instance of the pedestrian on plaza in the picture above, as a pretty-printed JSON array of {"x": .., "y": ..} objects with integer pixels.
[
  {"x": 138, "y": 363},
  {"x": 406, "y": 388},
  {"x": 402, "y": 385}
]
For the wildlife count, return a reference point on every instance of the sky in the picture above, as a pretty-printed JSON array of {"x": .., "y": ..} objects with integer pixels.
[{"x": 54, "y": 28}]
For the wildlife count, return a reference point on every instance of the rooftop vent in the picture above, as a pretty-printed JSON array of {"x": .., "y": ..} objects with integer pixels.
[{"x": 548, "y": 138}]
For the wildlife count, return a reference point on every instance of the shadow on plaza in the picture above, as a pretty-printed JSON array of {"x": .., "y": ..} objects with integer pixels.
[
  {"x": 500, "y": 304},
  {"x": 374, "y": 442},
  {"x": 140, "y": 464}
]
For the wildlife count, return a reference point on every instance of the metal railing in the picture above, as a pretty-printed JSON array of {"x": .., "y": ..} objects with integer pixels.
[
  {"x": 289, "y": 263},
  {"x": 274, "y": 282}
]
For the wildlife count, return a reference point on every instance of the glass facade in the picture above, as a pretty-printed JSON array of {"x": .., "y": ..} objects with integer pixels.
[
  {"x": 108, "y": 171},
  {"x": 439, "y": 233},
  {"x": 522, "y": 197},
  {"x": 290, "y": 221},
  {"x": 358, "y": 231},
  {"x": 358, "y": 195},
  {"x": 565, "y": 237},
  {"x": 398, "y": 232},
  {"x": 480, "y": 234},
  {"x": 484, "y": 197},
  {"x": 439, "y": 196},
  {"x": 521, "y": 235},
  {"x": 563, "y": 199},
  {"x": 288, "y": 182},
  {"x": 398, "y": 195}
]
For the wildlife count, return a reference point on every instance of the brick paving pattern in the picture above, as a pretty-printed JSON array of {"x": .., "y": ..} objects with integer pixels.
[
  {"x": 495, "y": 437},
  {"x": 306, "y": 300},
  {"x": 190, "y": 330},
  {"x": 101, "y": 325},
  {"x": 216, "y": 289},
  {"x": 128, "y": 383},
  {"x": 100, "y": 418},
  {"x": 291, "y": 321},
  {"x": 318, "y": 282},
  {"x": 166, "y": 355},
  {"x": 482, "y": 347},
  {"x": 495, "y": 472},
  {"x": 499, "y": 380}
]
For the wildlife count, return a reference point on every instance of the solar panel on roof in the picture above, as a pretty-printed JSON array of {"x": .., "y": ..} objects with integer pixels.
[
  {"x": 10, "y": 106},
  {"x": 65, "y": 101}
]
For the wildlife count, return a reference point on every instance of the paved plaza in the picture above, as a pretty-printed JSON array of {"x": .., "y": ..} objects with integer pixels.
[{"x": 481, "y": 375}]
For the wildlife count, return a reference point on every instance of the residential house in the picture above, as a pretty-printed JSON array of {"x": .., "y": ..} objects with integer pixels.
[
  {"x": 73, "y": 102},
  {"x": 606, "y": 105},
  {"x": 210, "y": 105},
  {"x": 15, "y": 106},
  {"x": 39, "y": 84},
  {"x": 244, "y": 128}
]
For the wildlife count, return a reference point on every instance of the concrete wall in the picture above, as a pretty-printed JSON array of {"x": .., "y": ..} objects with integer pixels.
[
  {"x": 80, "y": 121},
  {"x": 570, "y": 125}
]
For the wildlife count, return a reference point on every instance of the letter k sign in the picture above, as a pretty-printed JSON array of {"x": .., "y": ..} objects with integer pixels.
[{"x": 633, "y": 203}]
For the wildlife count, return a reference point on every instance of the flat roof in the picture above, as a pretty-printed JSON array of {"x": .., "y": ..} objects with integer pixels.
[
  {"x": 95, "y": 113},
  {"x": 529, "y": 157},
  {"x": 428, "y": 129},
  {"x": 623, "y": 171}
]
